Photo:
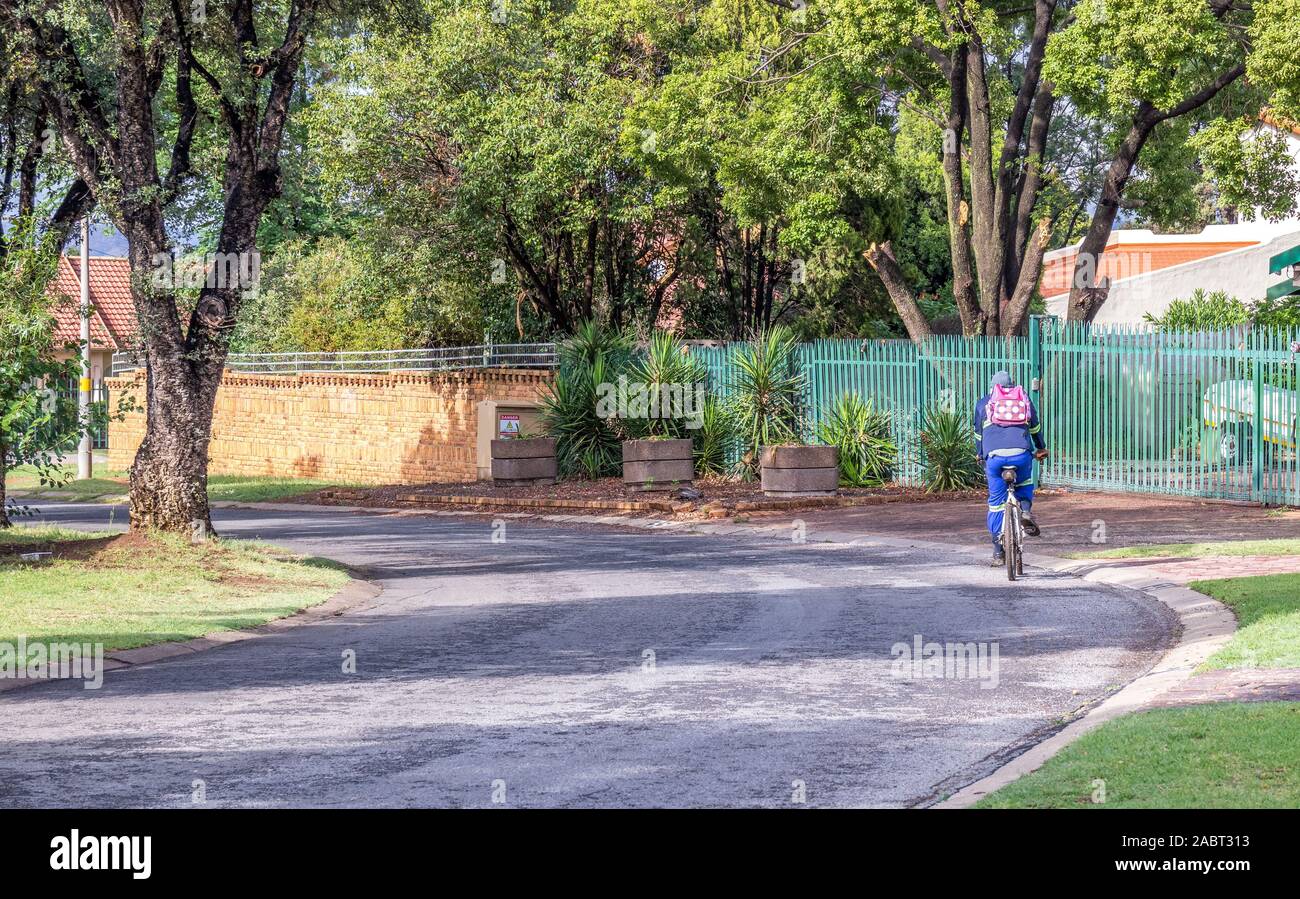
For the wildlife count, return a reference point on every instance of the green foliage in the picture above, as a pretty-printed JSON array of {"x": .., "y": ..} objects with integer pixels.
[
  {"x": 1283, "y": 312},
  {"x": 1273, "y": 63},
  {"x": 1202, "y": 311},
  {"x": 863, "y": 435},
  {"x": 670, "y": 374},
  {"x": 361, "y": 294},
  {"x": 1250, "y": 167},
  {"x": 1217, "y": 311},
  {"x": 766, "y": 394},
  {"x": 715, "y": 439},
  {"x": 35, "y": 418},
  {"x": 587, "y": 443},
  {"x": 581, "y": 409},
  {"x": 948, "y": 451}
]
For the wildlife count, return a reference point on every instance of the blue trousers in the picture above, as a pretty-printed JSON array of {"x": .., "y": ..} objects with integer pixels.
[{"x": 993, "y": 465}]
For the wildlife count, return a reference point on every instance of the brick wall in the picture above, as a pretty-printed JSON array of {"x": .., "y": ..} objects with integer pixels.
[{"x": 398, "y": 428}]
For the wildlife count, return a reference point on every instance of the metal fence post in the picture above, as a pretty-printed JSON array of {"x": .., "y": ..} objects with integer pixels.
[{"x": 1257, "y": 426}]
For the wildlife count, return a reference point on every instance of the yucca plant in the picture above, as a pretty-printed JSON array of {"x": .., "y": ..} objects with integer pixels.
[
  {"x": 948, "y": 450},
  {"x": 670, "y": 375},
  {"x": 586, "y": 443},
  {"x": 863, "y": 435},
  {"x": 715, "y": 439},
  {"x": 767, "y": 387}
]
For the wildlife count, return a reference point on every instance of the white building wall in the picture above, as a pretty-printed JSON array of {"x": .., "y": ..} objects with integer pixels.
[{"x": 1240, "y": 273}]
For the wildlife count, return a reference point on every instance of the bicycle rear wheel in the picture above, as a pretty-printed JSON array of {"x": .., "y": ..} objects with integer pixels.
[{"x": 1009, "y": 548}]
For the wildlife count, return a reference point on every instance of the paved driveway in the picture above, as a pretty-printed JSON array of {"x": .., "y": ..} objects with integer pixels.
[{"x": 585, "y": 666}]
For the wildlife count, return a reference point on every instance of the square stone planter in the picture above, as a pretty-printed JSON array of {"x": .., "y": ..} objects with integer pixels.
[
  {"x": 799, "y": 470},
  {"x": 523, "y": 463},
  {"x": 657, "y": 464}
]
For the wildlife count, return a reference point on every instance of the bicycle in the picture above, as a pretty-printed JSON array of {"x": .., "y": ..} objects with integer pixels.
[{"x": 1013, "y": 528}]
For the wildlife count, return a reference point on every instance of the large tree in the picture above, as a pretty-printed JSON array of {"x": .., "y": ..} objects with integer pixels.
[
  {"x": 1022, "y": 97},
  {"x": 229, "y": 68}
]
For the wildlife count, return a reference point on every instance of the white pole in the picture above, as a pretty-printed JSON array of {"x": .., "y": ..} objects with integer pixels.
[{"x": 85, "y": 457}]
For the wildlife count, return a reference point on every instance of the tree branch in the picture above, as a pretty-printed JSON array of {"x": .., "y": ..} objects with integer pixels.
[{"x": 881, "y": 258}]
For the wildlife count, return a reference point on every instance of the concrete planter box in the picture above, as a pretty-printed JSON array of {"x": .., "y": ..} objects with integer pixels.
[
  {"x": 657, "y": 464},
  {"x": 528, "y": 462},
  {"x": 799, "y": 470}
]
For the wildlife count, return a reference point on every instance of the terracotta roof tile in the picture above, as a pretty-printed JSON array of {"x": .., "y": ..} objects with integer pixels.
[{"x": 113, "y": 323}]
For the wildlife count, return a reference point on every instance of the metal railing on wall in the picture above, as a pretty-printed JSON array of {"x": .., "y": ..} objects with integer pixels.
[{"x": 492, "y": 355}]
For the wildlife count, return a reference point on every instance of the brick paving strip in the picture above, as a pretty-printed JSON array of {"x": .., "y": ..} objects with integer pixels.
[{"x": 1235, "y": 685}]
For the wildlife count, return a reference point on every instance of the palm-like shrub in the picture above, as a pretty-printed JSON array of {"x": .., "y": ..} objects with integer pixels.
[
  {"x": 586, "y": 443},
  {"x": 863, "y": 435},
  {"x": 670, "y": 374},
  {"x": 948, "y": 450},
  {"x": 768, "y": 384},
  {"x": 715, "y": 439}
]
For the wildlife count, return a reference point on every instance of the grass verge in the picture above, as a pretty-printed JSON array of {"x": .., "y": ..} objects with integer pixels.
[
  {"x": 112, "y": 484},
  {"x": 130, "y": 590},
  {"x": 1225, "y": 755},
  {"x": 1268, "y": 621}
]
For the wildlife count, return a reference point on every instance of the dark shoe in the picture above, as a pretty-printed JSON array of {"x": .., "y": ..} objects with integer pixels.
[
  {"x": 1030, "y": 526},
  {"x": 999, "y": 557}
]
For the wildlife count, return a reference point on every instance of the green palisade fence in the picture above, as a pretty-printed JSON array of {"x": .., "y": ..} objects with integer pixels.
[{"x": 1203, "y": 414}]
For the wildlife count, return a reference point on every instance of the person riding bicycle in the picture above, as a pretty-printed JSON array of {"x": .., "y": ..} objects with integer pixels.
[{"x": 1008, "y": 434}]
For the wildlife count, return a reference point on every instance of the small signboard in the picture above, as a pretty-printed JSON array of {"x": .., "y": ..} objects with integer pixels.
[{"x": 507, "y": 426}]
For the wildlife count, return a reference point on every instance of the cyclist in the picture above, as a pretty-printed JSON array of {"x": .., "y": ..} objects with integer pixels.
[{"x": 1008, "y": 433}]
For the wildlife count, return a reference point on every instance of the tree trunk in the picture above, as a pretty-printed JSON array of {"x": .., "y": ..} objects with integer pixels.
[
  {"x": 881, "y": 258},
  {"x": 169, "y": 477},
  {"x": 963, "y": 271},
  {"x": 4, "y": 500},
  {"x": 1087, "y": 294}
]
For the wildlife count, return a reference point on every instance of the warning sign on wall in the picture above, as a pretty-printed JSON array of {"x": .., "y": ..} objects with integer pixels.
[{"x": 507, "y": 426}]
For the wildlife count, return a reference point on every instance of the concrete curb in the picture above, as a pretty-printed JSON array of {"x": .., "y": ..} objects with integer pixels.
[
  {"x": 356, "y": 594},
  {"x": 1207, "y": 625}
]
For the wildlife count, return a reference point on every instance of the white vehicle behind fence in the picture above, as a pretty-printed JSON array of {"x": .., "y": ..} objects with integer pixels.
[{"x": 1229, "y": 416}]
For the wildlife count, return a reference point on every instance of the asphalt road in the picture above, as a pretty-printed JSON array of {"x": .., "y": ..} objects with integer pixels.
[{"x": 586, "y": 666}]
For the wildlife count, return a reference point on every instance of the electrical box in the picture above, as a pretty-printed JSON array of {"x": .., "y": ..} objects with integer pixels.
[{"x": 503, "y": 420}]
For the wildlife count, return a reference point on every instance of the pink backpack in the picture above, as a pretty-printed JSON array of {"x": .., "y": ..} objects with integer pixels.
[{"x": 1008, "y": 406}]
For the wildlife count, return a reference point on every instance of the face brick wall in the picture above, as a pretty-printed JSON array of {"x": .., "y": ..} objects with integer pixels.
[{"x": 398, "y": 428}]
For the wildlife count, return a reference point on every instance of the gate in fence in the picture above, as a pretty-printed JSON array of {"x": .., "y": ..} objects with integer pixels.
[
  {"x": 1204, "y": 414},
  {"x": 1188, "y": 413}
]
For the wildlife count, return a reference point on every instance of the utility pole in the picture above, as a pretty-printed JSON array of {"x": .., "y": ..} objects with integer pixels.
[{"x": 85, "y": 452}]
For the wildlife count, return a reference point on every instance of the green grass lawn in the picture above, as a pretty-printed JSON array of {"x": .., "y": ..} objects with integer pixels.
[
  {"x": 263, "y": 489},
  {"x": 233, "y": 488},
  {"x": 105, "y": 483},
  {"x": 1227, "y": 755},
  {"x": 1268, "y": 621},
  {"x": 1199, "y": 550},
  {"x": 132, "y": 591}
]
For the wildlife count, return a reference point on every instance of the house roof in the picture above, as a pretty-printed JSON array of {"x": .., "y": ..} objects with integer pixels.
[
  {"x": 1280, "y": 122},
  {"x": 1138, "y": 251},
  {"x": 112, "y": 321}
]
